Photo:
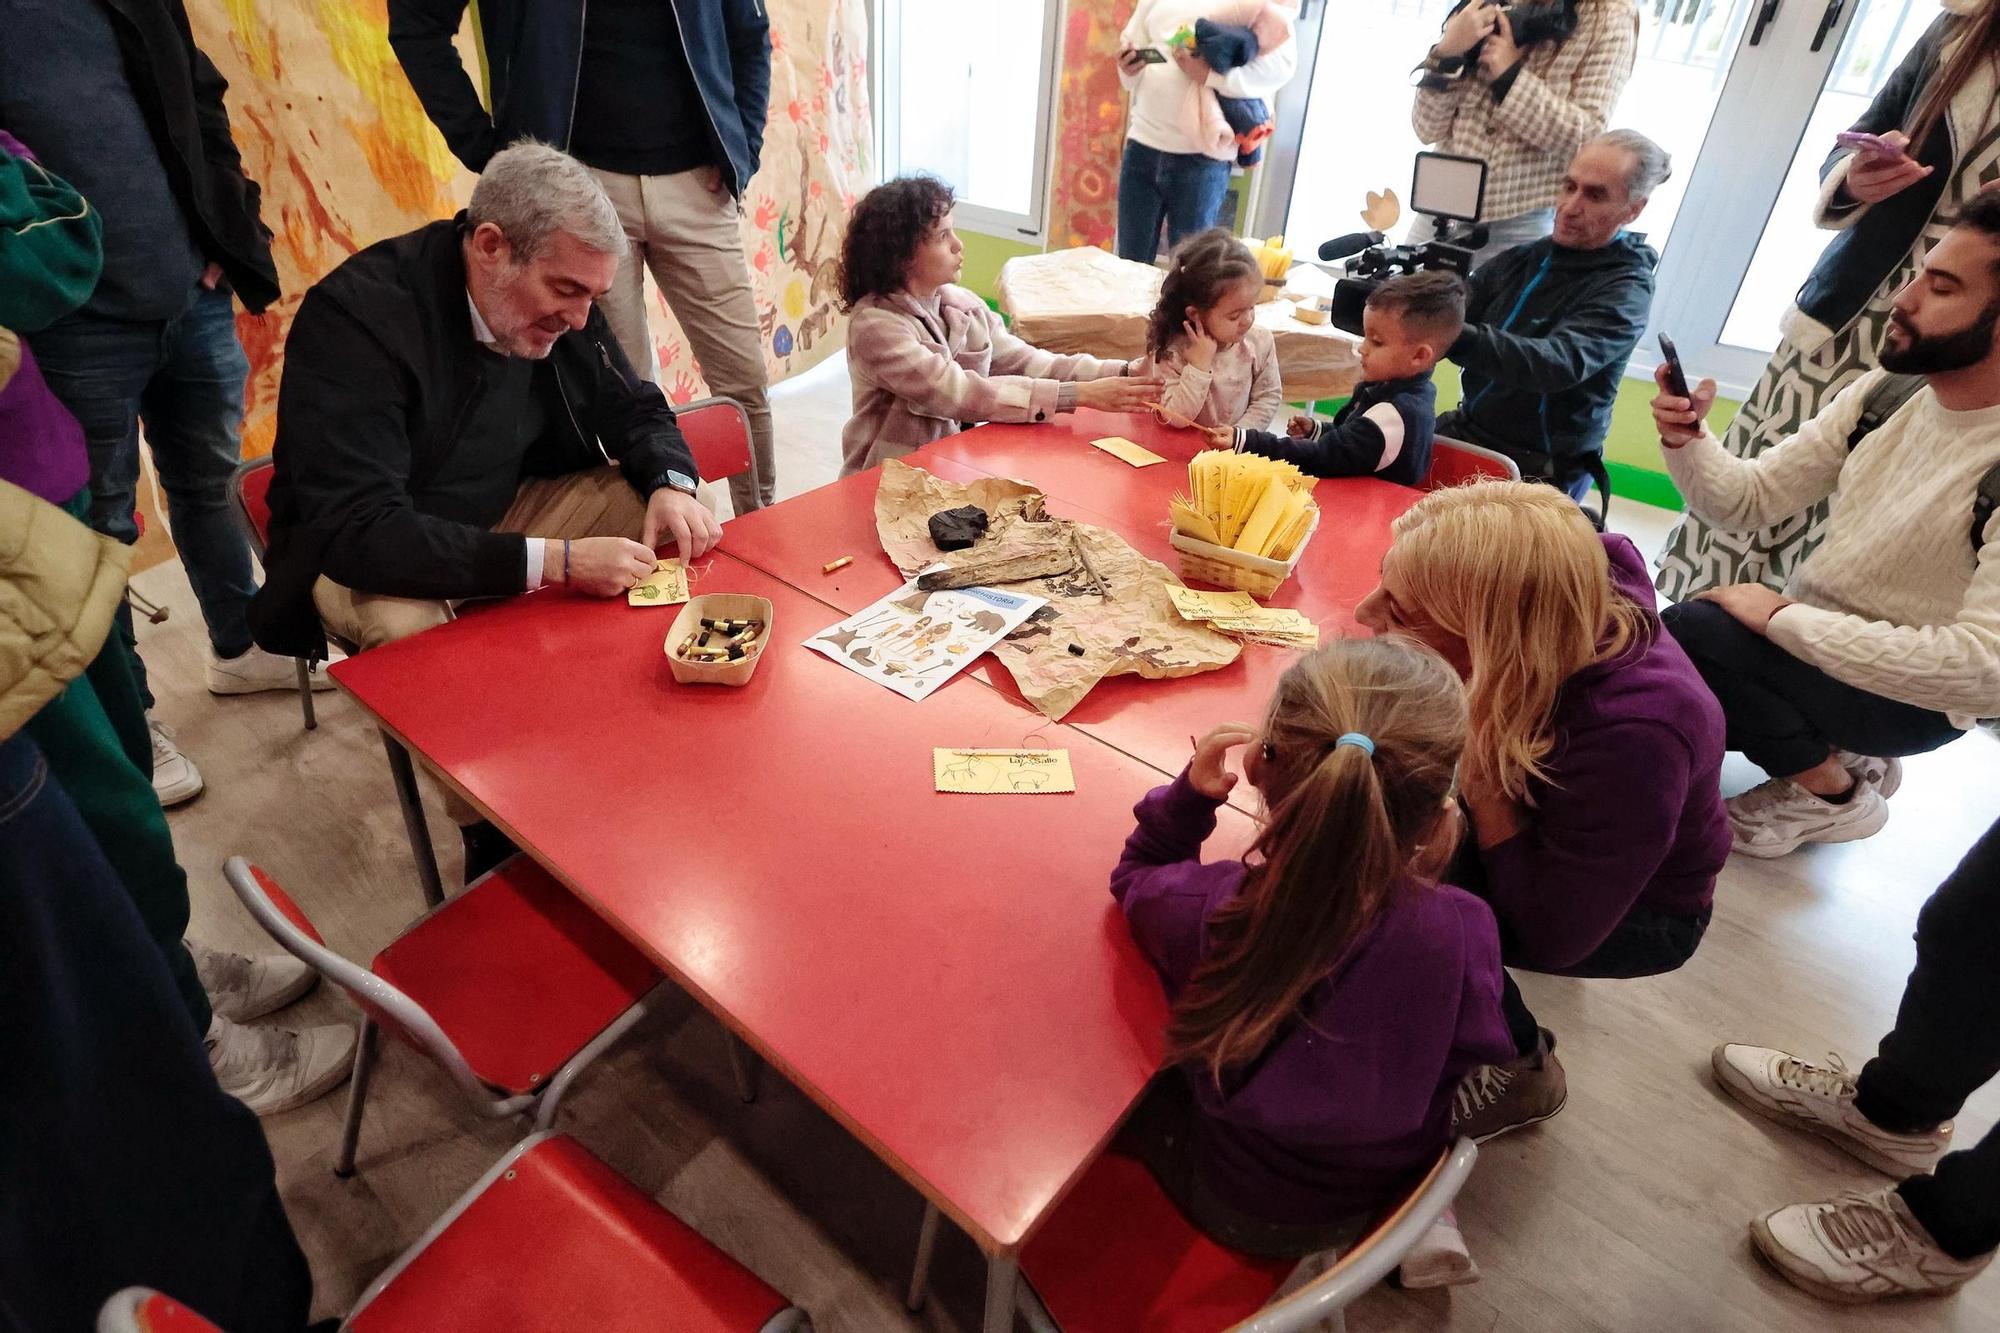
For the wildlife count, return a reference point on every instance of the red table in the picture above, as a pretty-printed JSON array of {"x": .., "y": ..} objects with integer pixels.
[{"x": 945, "y": 975}]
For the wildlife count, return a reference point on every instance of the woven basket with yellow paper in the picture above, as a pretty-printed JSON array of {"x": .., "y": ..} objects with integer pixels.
[{"x": 1243, "y": 522}]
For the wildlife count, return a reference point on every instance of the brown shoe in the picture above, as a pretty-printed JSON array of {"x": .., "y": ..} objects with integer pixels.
[{"x": 1493, "y": 1099}]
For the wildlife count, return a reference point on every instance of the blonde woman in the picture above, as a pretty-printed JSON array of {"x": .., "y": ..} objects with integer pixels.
[{"x": 1592, "y": 768}]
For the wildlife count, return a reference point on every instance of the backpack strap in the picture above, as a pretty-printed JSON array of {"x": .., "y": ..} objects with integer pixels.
[
  {"x": 1882, "y": 402},
  {"x": 1984, "y": 501}
]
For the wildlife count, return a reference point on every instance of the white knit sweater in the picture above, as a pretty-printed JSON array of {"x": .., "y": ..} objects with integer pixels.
[{"x": 1892, "y": 601}]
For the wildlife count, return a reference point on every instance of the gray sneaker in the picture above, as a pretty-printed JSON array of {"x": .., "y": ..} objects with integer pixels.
[
  {"x": 271, "y": 1070},
  {"x": 1886, "y": 775},
  {"x": 1494, "y": 1099},
  {"x": 1779, "y": 816},
  {"x": 242, "y": 988},
  {"x": 1819, "y": 1099},
  {"x": 1859, "y": 1248}
]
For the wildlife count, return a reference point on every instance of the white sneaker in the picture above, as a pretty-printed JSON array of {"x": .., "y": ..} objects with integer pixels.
[
  {"x": 1858, "y": 1248},
  {"x": 271, "y": 1069},
  {"x": 1820, "y": 1100},
  {"x": 175, "y": 778},
  {"x": 1440, "y": 1259},
  {"x": 241, "y": 988},
  {"x": 1777, "y": 816},
  {"x": 1885, "y": 775},
  {"x": 254, "y": 670}
]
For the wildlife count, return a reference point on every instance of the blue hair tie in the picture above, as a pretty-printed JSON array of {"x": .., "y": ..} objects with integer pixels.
[{"x": 1358, "y": 741}]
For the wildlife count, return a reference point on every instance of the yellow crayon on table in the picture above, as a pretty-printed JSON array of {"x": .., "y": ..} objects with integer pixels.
[{"x": 832, "y": 565}]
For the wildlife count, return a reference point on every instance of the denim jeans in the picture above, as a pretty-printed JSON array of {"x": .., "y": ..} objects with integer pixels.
[
  {"x": 121, "y": 1161},
  {"x": 1944, "y": 1047},
  {"x": 1184, "y": 188},
  {"x": 183, "y": 378},
  {"x": 1645, "y": 944},
  {"x": 1786, "y": 715}
]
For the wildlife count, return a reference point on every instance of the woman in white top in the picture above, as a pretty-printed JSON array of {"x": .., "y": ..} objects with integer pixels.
[{"x": 1178, "y": 146}]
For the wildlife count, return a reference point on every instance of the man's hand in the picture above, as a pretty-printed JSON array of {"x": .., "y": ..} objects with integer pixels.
[
  {"x": 710, "y": 178},
  {"x": 1680, "y": 419},
  {"x": 1500, "y": 54},
  {"x": 1208, "y": 771},
  {"x": 1302, "y": 427},
  {"x": 1463, "y": 30},
  {"x": 600, "y": 566},
  {"x": 1190, "y": 64},
  {"x": 211, "y": 275},
  {"x": 1130, "y": 61},
  {"x": 1872, "y": 177},
  {"x": 676, "y": 514},
  {"x": 1752, "y": 604},
  {"x": 1200, "y": 350},
  {"x": 1117, "y": 393}
]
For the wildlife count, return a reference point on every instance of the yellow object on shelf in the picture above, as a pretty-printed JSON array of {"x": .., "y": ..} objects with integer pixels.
[{"x": 1274, "y": 258}]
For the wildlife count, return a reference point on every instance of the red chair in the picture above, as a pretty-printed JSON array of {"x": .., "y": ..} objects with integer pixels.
[
  {"x": 250, "y": 487},
  {"x": 1454, "y": 462},
  {"x": 718, "y": 430},
  {"x": 1119, "y": 1257},
  {"x": 550, "y": 1238},
  {"x": 513, "y": 986}
]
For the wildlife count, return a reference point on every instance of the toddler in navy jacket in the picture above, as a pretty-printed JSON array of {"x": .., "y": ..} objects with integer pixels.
[{"x": 1386, "y": 428}]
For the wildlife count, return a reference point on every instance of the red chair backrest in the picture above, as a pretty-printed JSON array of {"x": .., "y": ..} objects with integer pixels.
[
  {"x": 253, "y": 497},
  {"x": 718, "y": 430},
  {"x": 1453, "y": 462}
]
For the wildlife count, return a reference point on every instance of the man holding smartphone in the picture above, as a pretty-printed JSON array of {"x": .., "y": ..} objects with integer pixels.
[{"x": 1886, "y": 638}]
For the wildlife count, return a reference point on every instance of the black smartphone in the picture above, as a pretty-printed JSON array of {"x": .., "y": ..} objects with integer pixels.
[
  {"x": 1152, "y": 55},
  {"x": 1677, "y": 383}
]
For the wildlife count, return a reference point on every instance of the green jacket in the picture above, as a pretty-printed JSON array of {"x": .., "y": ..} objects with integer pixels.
[{"x": 50, "y": 246}]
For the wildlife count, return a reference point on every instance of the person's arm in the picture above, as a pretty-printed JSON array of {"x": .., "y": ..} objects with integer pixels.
[
  {"x": 1555, "y": 119},
  {"x": 1562, "y": 884},
  {"x": 1353, "y": 444},
  {"x": 1183, "y": 387},
  {"x": 1744, "y": 494},
  {"x": 1263, "y": 76},
  {"x": 1952, "y": 668},
  {"x": 51, "y": 248},
  {"x": 1600, "y": 328},
  {"x": 1131, "y": 39},
  {"x": 1267, "y": 390},
  {"x": 1434, "y": 110},
  {"x": 423, "y": 34},
  {"x": 631, "y": 416},
  {"x": 1835, "y": 209},
  {"x": 883, "y": 349},
  {"x": 750, "y": 60},
  {"x": 343, "y": 441},
  {"x": 1160, "y": 882}
]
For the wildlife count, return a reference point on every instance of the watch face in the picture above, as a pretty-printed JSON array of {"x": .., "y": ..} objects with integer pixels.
[{"x": 681, "y": 481}]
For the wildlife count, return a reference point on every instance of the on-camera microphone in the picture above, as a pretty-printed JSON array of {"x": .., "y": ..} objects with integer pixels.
[{"x": 1340, "y": 247}]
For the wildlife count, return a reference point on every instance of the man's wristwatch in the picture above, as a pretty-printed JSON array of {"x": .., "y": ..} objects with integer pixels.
[{"x": 672, "y": 481}]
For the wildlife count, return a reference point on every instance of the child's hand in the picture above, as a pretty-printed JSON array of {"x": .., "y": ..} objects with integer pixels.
[
  {"x": 1301, "y": 427},
  {"x": 1200, "y": 349},
  {"x": 1219, "y": 437},
  {"x": 1208, "y": 771}
]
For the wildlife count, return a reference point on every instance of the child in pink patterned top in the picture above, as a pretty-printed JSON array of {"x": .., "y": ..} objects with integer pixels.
[
  {"x": 926, "y": 356},
  {"x": 1220, "y": 368}
]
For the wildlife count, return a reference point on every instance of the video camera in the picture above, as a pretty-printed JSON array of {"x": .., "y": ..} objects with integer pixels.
[
  {"x": 1530, "y": 21},
  {"x": 1449, "y": 189}
]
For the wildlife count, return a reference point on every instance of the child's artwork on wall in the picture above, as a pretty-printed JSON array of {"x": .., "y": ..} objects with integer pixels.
[{"x": 914, "y": 641}]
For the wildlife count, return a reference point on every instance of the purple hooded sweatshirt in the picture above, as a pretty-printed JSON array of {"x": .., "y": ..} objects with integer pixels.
[
  {"x": 1353, "y": 1099},
  {"x": 41, "y": 444},
  {"x": 1631, "y": 810}
]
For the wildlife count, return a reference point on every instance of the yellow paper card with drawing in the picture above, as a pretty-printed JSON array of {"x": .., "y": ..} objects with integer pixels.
[
  {"x": 667, "y": 585},
  {"x": 1135, "y": 454},
  {"x": 1194, "y": 604},
  {"x": 1002, "y": 772}
]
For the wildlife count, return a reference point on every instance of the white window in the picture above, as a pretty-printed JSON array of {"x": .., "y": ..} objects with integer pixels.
[{"x": 966, "y": 88}]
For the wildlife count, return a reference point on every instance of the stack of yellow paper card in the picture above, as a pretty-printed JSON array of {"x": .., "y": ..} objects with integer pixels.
[
  {"x": 1259, "y": 506},
  {"x": 1278, "y": 626},
  {"x": 1193, "y": 604}
]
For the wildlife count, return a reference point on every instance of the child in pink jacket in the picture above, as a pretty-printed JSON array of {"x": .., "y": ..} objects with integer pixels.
[
  {"x": 1218, "y": 368},
  {"x": 927, "y": 357}
]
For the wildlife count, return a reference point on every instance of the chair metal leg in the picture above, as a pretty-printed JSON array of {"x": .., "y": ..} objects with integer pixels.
[
  {"x": 357, "y": 1095},
  {"x": 920, "y": 1274},
  {"x": 306, "y": 692},
  {"x": 414, "y": 822},
  {"x": 740, "y": 1065},
  {"x": 1003, "y": 1275}
]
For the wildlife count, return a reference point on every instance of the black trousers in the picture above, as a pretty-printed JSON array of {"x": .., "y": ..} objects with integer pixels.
[
  {"x": 1944, "y": 1047},
  {"x": 1785, "y": 715}
]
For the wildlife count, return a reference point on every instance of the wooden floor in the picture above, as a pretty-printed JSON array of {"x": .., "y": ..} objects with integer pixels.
[{"x": 1627, "y": 1211}]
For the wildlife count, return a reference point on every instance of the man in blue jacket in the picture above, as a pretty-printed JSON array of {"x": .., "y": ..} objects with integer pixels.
[
  {"x": 1549, "y": 325},
  {"x": 665, "y": 101}
]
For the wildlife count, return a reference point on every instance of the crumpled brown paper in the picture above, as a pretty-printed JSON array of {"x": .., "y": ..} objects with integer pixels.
[{"x": 1133, "y": 630}]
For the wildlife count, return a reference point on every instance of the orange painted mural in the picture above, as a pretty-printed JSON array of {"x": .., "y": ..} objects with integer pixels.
[
  {"x": 331, "y": 130},
  {"x": 1090, "y": 125}
]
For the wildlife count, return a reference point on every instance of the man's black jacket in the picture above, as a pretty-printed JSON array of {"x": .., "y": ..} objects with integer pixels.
[
  {"x": 180, "y": 93},
  {"x": 380, "y": 371},
  {"x": 1547, "y": 333},
  {"x": 534, "y": 49}
]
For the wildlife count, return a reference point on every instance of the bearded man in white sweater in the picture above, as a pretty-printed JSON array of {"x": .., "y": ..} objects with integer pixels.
[{"x": 1886, "y": 639}]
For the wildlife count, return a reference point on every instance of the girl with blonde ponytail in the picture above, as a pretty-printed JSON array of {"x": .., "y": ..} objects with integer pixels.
[
  {"x": 1592, "y": 769},
  {"x": 1327, "y": 992}
]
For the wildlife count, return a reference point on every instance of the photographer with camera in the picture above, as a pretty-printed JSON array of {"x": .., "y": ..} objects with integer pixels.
[
  {"x": 1522, "y": 85},
  {"x": 1549, "y": 325}
]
